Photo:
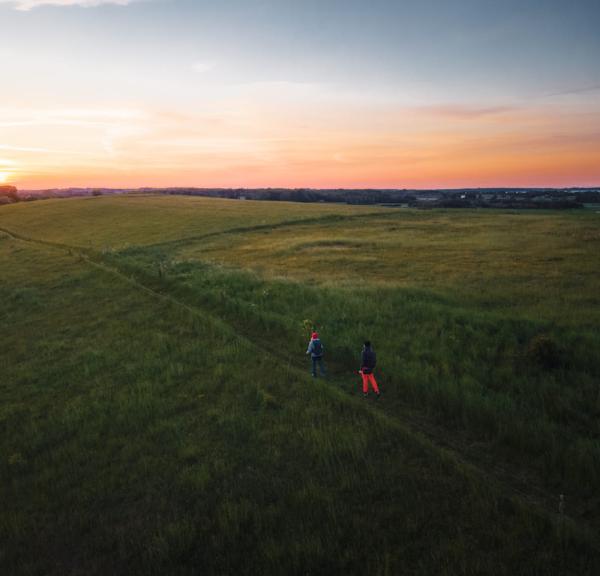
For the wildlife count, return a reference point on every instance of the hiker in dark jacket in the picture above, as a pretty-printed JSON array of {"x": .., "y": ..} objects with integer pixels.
[
  {"x": 368, "y": 361},
  {"x": 315, "y": 349}
]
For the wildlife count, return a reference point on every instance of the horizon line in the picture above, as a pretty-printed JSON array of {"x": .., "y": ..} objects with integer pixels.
[{"x": 295, "y": 188}]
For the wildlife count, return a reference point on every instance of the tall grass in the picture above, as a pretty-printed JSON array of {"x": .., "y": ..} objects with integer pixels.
[{"x": 469, "y": 368}]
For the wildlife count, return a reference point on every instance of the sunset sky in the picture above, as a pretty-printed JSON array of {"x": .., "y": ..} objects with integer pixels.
[{"x": 318, "y": 93}]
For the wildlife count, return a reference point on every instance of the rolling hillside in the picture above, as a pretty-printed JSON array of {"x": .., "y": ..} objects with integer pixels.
[{"x": 158, "y": 415}]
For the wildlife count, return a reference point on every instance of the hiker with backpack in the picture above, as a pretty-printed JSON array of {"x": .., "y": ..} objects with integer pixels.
[
  {"x": 368, "y": 361},
  {"x": 315, "y": 349}
]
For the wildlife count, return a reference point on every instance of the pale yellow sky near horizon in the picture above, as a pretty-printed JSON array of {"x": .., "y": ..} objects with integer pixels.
[{"x": 262, "y": 140}]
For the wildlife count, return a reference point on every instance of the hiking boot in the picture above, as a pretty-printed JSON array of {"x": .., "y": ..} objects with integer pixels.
[{"x": 365, "y": 394}]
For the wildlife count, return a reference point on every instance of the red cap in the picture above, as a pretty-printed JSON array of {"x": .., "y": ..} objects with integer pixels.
[{"x": 314, "y": 336}]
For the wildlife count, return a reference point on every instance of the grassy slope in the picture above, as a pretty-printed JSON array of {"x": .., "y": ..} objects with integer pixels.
[
  {"x": 164, "y": 439},
  {"x": 455, "y": 342},
  {"x": 107, "y": 222}
]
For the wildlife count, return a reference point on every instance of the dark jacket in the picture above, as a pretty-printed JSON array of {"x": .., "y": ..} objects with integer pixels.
[{"x": 368, "y": 360}]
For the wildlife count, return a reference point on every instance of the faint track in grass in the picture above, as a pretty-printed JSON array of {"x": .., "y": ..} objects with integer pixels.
[
  {"x": 275, "y": 226},
  {"x": 329, "y": 218},
  {"x": 451, "y": 444}
]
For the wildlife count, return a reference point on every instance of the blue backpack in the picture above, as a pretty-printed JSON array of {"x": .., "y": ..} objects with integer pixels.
[{"x": 317, "y": 348}]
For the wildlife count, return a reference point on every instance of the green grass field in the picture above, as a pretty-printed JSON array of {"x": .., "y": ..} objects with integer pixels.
[{"x": 158, "y": 414}]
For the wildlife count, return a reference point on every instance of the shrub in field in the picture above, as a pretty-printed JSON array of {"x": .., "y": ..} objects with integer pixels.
[
  {"x": 8, "y": 194},
  {"x": 543, "y": 351}
]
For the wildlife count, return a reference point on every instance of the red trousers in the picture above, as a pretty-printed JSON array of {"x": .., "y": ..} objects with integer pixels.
[{"x": 369, "y": 378}]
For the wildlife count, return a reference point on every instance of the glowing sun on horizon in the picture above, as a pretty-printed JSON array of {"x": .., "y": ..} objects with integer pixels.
[{"x": 4, "y": 177}]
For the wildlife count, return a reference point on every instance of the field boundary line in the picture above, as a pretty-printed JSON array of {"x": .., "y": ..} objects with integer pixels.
[
  {"x": 274, "y": 226},
  {"x": 385, "y": 212}
]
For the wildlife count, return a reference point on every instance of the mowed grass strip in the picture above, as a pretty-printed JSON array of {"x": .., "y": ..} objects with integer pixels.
[{"x": 139, "y": 438}]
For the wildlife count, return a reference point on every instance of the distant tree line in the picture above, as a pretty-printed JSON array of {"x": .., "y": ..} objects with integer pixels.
[
  {"x": 466, "y": 198},
  {"x": 530, "y": 198},
  {"x": 342, "y": 196},
  {"x": 8, "y": 195}
]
